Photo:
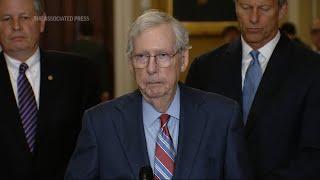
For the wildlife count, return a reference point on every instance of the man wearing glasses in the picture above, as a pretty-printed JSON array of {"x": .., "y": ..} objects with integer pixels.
[{"x": 181, "y": 133}]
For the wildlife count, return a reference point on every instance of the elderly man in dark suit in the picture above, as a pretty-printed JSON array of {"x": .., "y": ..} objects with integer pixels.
[
  {"x": 277, "y": 82},
  {"x": 43, "y": 96},
  {"x": 182, "y": 133}
]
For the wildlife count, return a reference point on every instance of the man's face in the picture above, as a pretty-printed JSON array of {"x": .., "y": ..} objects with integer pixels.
[
  {"x": 19, "y": 29},
  {"x": 259, "y": 20},
  {"x": 154, "y": 81},
  {"x": 315, "y": 34}
]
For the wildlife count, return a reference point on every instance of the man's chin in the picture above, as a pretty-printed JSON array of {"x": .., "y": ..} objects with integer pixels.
[
  {"x": 252, "y": 38},
  {"x": 153, "y": 93},
  {"x": 19, "y": 47}
]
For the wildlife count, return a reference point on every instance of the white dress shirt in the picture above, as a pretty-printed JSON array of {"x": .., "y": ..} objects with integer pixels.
[
  {"x": 32, "y": 73},
  {"x": 264, "y": 55}
]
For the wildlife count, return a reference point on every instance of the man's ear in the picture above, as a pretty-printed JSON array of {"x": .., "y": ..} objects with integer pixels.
[{"x": 184, "y": 60}]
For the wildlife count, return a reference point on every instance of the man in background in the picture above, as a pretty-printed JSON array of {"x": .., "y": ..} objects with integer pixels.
[
  {"x": 43, "y": 96},
  {"x": 289, "y": 29},
  {"x": 277, "y": 83},
  {"x": 96, "y": 52},
  {"x": 230, "y": 33},
  {"x": 315, "y": 35}
]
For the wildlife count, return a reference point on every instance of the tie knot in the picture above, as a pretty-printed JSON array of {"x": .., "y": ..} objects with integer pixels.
[
  {"x": 23, "y": 67},
  {"x": 164, "y": 118},
  {"x": 254, "y": 54}
]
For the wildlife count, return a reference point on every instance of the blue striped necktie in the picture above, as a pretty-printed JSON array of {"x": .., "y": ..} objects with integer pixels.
[
  {"x": 251, "y": 83},
  {"x": 27, "y": 107},
  {"x": 165, "y": 154}
]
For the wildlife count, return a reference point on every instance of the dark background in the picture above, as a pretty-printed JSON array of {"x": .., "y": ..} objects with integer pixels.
[
  {"x": 60, "y": 35},
  {"x": 204, "y": 10}
]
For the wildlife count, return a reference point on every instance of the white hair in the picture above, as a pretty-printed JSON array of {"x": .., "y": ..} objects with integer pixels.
[{"x": 153, "y": 18}]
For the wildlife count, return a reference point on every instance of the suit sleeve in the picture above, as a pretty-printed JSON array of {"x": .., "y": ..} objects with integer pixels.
[
  {"x": 236, "y": 161},
  {"x": 306, "y": 163},
  {"x": 83, "y": 164}
]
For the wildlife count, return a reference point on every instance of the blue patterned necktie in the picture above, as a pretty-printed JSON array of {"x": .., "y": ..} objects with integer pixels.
[
  {"x": 27, "y": 107},
  {"x": 165, "y": 154},
  {"x": 251, "y": 83}
]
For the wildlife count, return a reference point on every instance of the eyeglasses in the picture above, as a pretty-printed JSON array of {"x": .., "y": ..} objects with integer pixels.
[{"x": 162, "y": 59}]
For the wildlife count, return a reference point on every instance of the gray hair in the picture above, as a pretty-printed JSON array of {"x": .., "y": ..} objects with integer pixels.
[
  {"x": 38, "y": 7},
  {"x": 280, "y": 2},
  {"x": 153, "y": 18}
]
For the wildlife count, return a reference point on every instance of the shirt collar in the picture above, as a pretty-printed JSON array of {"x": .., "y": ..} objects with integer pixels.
[
  {"x": 150, "y": 115},
  {"x": 14, "y": 64},
  {"x": 265, "y": 51}
]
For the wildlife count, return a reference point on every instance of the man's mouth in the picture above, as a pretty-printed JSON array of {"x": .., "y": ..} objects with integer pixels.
[
  {"x": 254, "y": 30},
  {"x": 17, "y": 38}
]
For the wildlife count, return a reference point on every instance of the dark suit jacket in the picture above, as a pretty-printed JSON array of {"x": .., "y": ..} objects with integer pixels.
[
  {"x": 112, "y": 142},
  {"x": 62, "y": 103},
  {"x": 283, "y": 128}
]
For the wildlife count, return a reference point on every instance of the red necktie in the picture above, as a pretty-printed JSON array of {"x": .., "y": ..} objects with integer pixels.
[{"x": 165, "y": 153}]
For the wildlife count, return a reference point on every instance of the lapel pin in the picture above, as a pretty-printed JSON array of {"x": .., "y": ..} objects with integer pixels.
[{"x": 50, "y": 77}]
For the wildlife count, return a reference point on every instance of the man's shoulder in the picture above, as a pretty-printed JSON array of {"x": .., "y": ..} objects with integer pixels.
[
  {"x": 63, "y": 57},
  {"x": 218, "y": 109},
  {"x": 66, "y": 62},
  {"x": 302, "y": 51},
  {"x": 214, "y": 53},
  {"x": 116, "y": 104},
  {"x": 208, "y": 99},
  {"x": 304, "y": 58}
]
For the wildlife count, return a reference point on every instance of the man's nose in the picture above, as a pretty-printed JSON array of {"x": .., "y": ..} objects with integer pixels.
[
  {"x": 254, "y": 16},
  {"x": 16, "y": 24},
  {"x": 152, "y": 65}
]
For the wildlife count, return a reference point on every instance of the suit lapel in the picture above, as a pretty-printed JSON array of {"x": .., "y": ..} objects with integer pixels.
[
  {"x": 48, "y": 83},
  {"x": 233, "y": 78},
  {"x": 9, "y": 112},
  {"x": 131, "y": 132},
  {"x": 191, "y": 127},
  {"x": 273, "y": 77},
  {"x": 48, "y": 87}
]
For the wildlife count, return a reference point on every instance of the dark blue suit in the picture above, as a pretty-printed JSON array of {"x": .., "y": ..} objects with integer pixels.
[
  {"x": 283, "y": 126},
  {"x": 112, "y": 142}
]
